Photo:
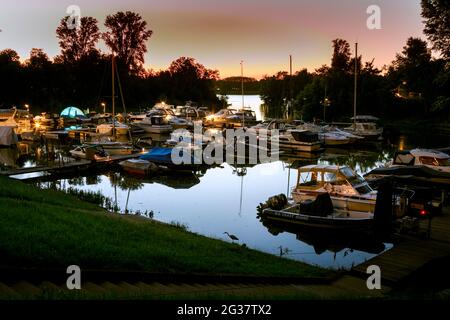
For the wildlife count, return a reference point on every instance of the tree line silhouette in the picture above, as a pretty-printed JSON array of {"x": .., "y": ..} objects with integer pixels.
[
  {"x": 81, "y": 74},
  {"x": 415, "y": 84}
]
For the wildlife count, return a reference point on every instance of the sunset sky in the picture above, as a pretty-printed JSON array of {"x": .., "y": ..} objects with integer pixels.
[{"x": 221, "y": 33}]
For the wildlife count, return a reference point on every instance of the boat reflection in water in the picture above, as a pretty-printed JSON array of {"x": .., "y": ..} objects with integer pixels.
[{"x": 328, "y": 240}]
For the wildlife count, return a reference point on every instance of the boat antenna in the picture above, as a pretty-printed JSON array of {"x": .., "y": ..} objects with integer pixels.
[{"x": 356, "y": 86}]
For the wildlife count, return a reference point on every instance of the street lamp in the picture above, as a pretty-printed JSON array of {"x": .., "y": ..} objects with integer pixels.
[
  {"x": 104, "y": 107},
  {"x": 326, "y": 103}
]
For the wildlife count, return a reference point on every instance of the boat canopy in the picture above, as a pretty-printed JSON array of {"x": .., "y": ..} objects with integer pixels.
[
  {"x": 321, "y": 168},
  {"x": 429, "y": 153},
  {"x": 72, "y": 112},
  {"x": 364, "y": 118}
]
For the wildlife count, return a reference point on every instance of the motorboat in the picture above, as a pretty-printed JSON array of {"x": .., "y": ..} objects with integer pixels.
[
  {"x": 299, "y": 140},
  {"x": 164, "y": 157},
  {"x": 348, "y": 190},
  {"x": 329, "y": 136},
  {"x": 222, "y": 118},
  {"x": 242, "y": 117},
  {"x": 267, "y": 127},
  {"x": 17, "y": 118},
  {"x": 138, "y": 166},
  {"x": 108, "y": 128},
  {"x": 89, "y": 152},
  {"x": 365, "y": 126},
  {"x": 336, "y": 219},
  {"x": 190, "y": 113},
  {"x": 319, "y": 213},
  {"x": 47, "y": 120},
  {"x": 432, "y": 159},
  {"x": 155, "y": 124},
  {"x": 114, "y": 147}
]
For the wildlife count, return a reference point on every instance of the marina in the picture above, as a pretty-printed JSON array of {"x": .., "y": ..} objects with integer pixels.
[
  {"x": 149, "y": 181},
  {"x": 229, "y": 152}
]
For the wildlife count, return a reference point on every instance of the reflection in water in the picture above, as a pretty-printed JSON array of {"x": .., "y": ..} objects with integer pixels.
[
  {"x": 207, "y": 202},
  {"x": 328, "y": 240}
]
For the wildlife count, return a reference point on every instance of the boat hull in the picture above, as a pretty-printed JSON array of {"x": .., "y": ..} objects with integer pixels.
[
  {"x": 360, "y": 204},
  {"x": 329, "y": 222}
]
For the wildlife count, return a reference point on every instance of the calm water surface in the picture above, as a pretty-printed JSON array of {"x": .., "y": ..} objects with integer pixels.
[{"x": 225, "y": 198}]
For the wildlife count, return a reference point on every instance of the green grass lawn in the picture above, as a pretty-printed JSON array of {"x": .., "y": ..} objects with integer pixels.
[{"x": 49, "y": 229}]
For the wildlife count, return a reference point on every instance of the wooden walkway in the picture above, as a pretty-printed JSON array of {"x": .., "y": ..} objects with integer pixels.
[
  {"x": 412, "y": 253},
  {"x": 68, "y": 166}
]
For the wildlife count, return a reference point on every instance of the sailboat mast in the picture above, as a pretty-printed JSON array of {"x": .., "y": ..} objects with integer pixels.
[
  {"x": 113, "y": 95},
  {"x": 356, "y": 85},
  {"x": 242, "y": 92}
]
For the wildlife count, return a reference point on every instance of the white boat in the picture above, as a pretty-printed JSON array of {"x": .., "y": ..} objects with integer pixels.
[
  {"x": 266, "y": 127},
  {"x": 220, "y": 118},
  {"x": 138, "y": 166},
  {"x": 299, "y": 140},
  {"x": 113, "y": 147},
  {"x": 432, "y": 159},
  {"x": 89, "y": 152},
  {"x": 243, "y": 117},
  {"x": 154, "y": 124},
  {"x": 348, "y": 190},
  {"x": 17, "y": 118},
  {"x": 365, "y": 126},
  {"x": 329, "y": 136},
  {"x": 107, "y": 128}
]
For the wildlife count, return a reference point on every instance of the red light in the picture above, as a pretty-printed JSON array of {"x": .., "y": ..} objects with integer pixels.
[{"x": 423, "y": 212}]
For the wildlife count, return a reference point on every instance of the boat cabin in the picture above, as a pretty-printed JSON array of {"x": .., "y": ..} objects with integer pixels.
[
  {"x": 332, "y": 179},
  {"x": 423, "y": 157}
]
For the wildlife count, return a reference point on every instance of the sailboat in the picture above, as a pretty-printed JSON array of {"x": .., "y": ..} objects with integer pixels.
[
  {"x": 114, "y": 127},
  {"x": 363, "y": 125}
]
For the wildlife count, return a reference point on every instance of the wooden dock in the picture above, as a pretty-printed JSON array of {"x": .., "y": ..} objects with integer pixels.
[
  {"x": 75, "y": 165},
  {"x": 412, "y": 253}
]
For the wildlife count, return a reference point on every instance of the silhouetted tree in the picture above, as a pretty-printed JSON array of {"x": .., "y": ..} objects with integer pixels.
[
  {"x": 11, "y": 79},
  {"x": 78, "y": 43},
  {"x": 437, "y": 24},
  {"x": 341, "y": 55},
  {"x": 126, "y": 37},
  {"x": 411, "y": 68},
  {"x": 38, "y": 59}
]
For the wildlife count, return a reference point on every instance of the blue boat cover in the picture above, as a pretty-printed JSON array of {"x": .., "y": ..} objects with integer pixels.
[{"x": 158, "y": 155}]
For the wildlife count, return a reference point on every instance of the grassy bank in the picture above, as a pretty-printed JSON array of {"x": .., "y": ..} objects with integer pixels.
[{"x": 50, "y": 229}]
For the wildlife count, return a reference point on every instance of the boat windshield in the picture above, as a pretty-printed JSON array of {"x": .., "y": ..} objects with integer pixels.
[
  {"x": 432, "y": 161},
  {"x": 353, "y": 178}
]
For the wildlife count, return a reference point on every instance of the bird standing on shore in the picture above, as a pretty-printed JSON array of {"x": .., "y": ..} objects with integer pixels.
[{"x": 231, "y": 236}]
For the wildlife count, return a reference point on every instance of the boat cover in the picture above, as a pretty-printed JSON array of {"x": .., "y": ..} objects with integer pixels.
[
  {"x": 8, "y": 136},
  {"x": 158, "y": 155},
  {"x": 418, "y": 175}
]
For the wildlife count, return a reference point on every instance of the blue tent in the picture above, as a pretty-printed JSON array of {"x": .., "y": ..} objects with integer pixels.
[{"x": 72, "y": 112}]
